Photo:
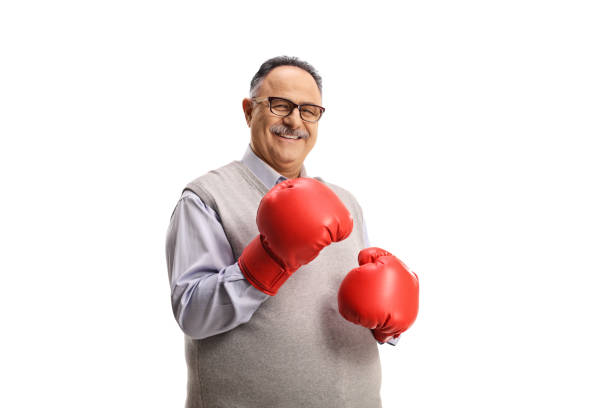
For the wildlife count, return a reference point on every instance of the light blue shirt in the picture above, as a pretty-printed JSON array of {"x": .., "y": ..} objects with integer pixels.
[{"x": 209, "y": 293}]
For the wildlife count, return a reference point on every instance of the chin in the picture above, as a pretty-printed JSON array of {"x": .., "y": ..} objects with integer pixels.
[{"x": 288, "y": 158}]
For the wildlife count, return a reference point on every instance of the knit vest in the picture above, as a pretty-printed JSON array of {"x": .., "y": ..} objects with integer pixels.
[{"x": 296, "y": 350}]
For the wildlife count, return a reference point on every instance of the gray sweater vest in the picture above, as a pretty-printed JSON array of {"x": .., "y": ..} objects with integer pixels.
[{"x": 296, "y": 351}]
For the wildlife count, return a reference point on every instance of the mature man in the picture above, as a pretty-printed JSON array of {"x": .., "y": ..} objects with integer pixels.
[{"x": 259, "y": 256}]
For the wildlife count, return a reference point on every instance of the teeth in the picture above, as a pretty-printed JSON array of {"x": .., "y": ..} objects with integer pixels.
[{"x": 290, "y": 137}]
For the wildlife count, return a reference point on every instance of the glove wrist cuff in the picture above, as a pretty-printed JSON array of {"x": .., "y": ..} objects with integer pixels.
[{"x": 259, "y": 268}]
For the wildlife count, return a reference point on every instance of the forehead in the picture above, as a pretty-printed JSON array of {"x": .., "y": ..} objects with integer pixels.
[{"x": 292, "y": 83}]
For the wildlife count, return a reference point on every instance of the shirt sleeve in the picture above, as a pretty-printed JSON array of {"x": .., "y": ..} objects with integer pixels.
[
  {"x": 209, "y": 293},
  {"x": 366, "y": 239}
]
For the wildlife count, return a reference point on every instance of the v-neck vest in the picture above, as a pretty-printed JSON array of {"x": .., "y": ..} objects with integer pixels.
[{"x": 296, "y": 351}]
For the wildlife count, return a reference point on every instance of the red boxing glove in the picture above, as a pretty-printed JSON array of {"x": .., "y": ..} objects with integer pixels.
[
  {"x": 296, "y": 219},
  {"x": 382, "y": 294}
]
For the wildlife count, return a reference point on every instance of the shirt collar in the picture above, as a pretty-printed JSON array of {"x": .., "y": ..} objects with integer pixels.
[{"x": 266, "y": 174}]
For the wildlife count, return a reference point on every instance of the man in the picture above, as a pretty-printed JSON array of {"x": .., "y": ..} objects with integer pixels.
[{"x": 259, "y": 256}]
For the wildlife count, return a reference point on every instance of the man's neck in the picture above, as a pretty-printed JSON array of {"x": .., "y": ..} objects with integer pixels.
[{"x": 289, "y": 173}]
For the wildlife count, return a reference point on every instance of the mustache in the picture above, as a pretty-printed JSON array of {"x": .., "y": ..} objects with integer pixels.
[{"x": 281, "y": 130}]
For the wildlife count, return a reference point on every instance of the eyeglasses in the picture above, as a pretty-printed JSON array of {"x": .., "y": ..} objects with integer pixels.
[{"x": 284, "y": 107}]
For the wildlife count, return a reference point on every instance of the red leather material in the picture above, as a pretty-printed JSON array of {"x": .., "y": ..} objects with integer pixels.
[
  {"x": 382, "y": 294},
  {"x": 296, "y": 219},
  {"x": 260, "y": 269}
]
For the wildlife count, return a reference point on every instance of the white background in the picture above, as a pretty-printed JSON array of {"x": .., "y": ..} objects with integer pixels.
[{"x": 475, "y": 135}]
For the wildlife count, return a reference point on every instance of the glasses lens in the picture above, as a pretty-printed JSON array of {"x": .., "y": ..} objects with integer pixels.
[
  {"x": 310, "y": 113},
  {"x": 281, "y": 107}
]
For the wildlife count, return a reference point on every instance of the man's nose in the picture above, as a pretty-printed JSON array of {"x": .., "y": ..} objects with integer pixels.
[{"x": 293, "y": 120}]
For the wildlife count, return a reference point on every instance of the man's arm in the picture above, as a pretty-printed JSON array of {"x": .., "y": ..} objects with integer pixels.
[{"x": 209, "y": 293}]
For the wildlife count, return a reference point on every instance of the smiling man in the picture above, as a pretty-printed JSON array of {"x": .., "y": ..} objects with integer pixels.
[
  {"x": 283, "y": 142},
  {"x": 259, "y": 256}
]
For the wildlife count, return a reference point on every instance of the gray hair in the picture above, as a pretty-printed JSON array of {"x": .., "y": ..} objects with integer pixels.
[{"x": 272, "y": 63}]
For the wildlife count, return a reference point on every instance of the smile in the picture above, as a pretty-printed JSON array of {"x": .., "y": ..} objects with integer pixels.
[{"x": 291, "y": 137}]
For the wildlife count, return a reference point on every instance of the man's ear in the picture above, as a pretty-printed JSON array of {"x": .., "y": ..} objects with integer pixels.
[{"x": 247, "y": 107}]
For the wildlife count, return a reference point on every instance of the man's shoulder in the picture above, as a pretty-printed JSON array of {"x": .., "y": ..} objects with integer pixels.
[
  {"x": 218, "y": 173},
  {"x": 331, "y": 185},
  {"x": 342, "y": 192},
  {"x": 206, "y": 184},
  {"x": 347, "y": 198}
]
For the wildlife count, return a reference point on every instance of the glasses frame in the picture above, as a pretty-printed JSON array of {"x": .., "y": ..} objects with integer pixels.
[{"x": 294, "y": 105}]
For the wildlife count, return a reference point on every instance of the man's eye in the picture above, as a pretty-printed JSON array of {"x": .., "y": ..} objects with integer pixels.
[{"x": 280, "y": 106}]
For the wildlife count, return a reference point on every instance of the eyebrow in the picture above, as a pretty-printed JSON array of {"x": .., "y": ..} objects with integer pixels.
[{"x": 297, "y": 103}]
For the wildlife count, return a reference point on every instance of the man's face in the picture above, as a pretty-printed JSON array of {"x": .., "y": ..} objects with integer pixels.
[{"x": 283, "y": 154}]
